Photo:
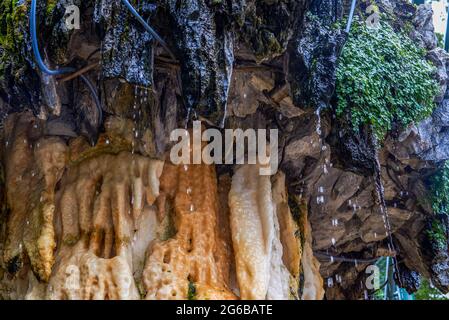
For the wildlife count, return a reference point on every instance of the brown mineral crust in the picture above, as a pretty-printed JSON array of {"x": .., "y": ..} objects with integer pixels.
[
  {"x": 225, "y": 260},
  {"x": 34, "y": 164},
  {"x": 190, "y": 265},
  {"x": 100, "y": 205},
  {"x": 289, "y": 229}
]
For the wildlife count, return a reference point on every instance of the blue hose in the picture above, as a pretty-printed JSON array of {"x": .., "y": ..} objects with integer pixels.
[
  {"x": 45, "y": 69},
  {"x": 35, "y": 46},
  {"x": 148, "y": 28},
  {"x": 351, "y": 16}
]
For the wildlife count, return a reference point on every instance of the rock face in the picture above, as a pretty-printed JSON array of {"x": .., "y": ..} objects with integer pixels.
[
  {"x": 95, "y": 210},
  {"x": 313, "y": 59}
]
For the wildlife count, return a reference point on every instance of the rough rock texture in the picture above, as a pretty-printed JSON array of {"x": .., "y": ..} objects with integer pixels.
[
  {"x": 238, "y": 64},
  {"x": 133, "y": 61},
  {"x": 313, "y": 56},
  {"x": 192, "y": 263}
]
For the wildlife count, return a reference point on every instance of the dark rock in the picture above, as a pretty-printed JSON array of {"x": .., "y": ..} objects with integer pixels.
[
  {"x": 435, "y": 249},
  {"x": 269, "y": 25},
  {"x": 314, "y": 54},
  {"x": 411, "y": 280},
  {"x": 351, "y": 149},
  {"x": 439, "y": 59},
  {"x": 205, "y": 47},
  {"x": 126, "y": 46},
  {"x": 424, "y": 32}
]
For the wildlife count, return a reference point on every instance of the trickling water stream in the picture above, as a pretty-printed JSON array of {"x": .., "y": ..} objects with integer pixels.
[{"x": 380, "y": 191}]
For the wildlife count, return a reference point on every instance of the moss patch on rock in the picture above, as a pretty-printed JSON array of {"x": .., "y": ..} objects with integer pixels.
[{"x": 383, "y": 78}]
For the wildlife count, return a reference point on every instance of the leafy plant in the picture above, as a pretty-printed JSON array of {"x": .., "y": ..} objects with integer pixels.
[
  {"x": 191, "y": 292},
  {"x": 440, "y": 39},
  {"x": 437, "y": 234},
  {"x": 428, "y": 292},
  {"x": 383, "y": 78},
  {"x": 439, "y": 189},
  {"x": 439, "y": 198}
]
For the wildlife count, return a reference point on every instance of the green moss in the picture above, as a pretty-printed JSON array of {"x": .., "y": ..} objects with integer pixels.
[
  {"x": 437, "y": 234},
  {"x": 383, "y": 78},
  {"x": 51, "y": 5},
  {"x": 427, "y": 291},
  {"x": 439, "y": 190},
  {"x": 70, "y": 240},
  {"x": 439, "y": 199},
  {"x": 12, "y": 16},
  {"x": 191, "y": 291},
  {"x": 13, "y": 21},
  {"x": 440, "y": 39}
]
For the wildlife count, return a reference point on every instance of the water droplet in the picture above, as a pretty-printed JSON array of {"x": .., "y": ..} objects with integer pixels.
[
  {"x": 186, "y": 167},
  {"x": 192, "y": 208},
  {"x": 107, "y": 141},
  {"x": 189, "y": 190},
  {"x": 333, "y": 241},
  {"x": 338, "y": 278}
]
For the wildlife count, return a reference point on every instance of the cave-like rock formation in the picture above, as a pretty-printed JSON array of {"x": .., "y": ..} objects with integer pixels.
[{"x": 93, "y": 208}]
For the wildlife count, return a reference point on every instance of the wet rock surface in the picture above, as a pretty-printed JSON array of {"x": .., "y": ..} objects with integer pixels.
[
  {"x": 238, "y": 64},
  {"x": 313, "y": 57}
]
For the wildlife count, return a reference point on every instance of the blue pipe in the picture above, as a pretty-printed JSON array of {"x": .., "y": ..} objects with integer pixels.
[
  {"x": 351, "y": 15},
  {"x": 35, "y": 46},
  {"x": 148, "y": 28},
  {"x": 45, "y": 69}
]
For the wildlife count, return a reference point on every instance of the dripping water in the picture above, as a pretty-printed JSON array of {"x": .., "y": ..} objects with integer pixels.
[{"x": 380, "y": 192}]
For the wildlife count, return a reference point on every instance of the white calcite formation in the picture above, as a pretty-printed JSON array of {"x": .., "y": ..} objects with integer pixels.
[{"x": 104, "y": 222}]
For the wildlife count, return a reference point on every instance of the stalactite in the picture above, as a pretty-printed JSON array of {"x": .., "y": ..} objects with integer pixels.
[
  {"x": 256, "y": 235},
  {"x": 82, "y": 216},
  {"x": 33, "y": 164},
  {"x": 193, "y": 263},
  {"x": 290, "y": 233},
  {"x": 103, "y": 206},
  {"x": 313, "y": 288},
  {"x": 104, "y": 222}
]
